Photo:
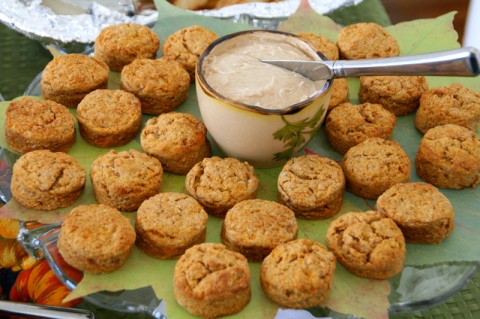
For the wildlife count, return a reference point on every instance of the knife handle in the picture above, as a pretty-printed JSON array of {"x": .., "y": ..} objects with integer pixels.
[{"x": 41, "y": 311}]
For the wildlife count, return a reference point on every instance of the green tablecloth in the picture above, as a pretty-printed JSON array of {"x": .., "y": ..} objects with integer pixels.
[{"x": 21, "y": 59}]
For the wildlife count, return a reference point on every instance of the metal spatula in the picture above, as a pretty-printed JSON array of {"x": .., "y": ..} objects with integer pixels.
[{"x": 457, "y": 62}]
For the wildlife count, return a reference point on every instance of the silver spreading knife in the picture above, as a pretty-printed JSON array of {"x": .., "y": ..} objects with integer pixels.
[{"x": 457, "y": 62}]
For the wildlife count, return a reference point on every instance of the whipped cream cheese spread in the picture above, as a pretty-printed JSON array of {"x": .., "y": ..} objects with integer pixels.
[{"x": 234, "y": 70}]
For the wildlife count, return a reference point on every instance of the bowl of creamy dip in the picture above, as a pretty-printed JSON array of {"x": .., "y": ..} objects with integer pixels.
[{"x": 255, "y": 111}]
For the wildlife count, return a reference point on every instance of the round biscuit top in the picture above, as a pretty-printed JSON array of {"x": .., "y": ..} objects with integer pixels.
[
  {"x": 172, "y": 132},
  {"x": 96, "y": 232},
  {"x": 321, "y": 43},
  {"x": 366, "y": 41},
  {"x": 210, "y": 271},
  {"x": 147, "y": 77},
  {"x": 49, "y": 172},
  {"x": 74, "y": 73},
  {"x": 109, "y": 109},
  {"x": 414, "y": 204},
  {"x": 311, "y": 181},
  {"x": 339, "y": 93},
  {"x": 258, "y": 222},
  {"x": 454, "y": 104},
  {"x": 169, "y": 218},
  {"x": 38, "y": 119},
  {"x": 221, "y": 181}
]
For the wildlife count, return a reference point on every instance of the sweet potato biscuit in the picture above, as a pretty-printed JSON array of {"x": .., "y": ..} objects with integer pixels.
[
  {"x": 320, "y": 43},
  {"x": 119, "y": 44},
  {"x": 161, "y": 85},
  {"x": 109, "y": 117},
  {"x": 348, "y": 125},
  {"x": 46, "y": 180},
  {"x": 177, "y": 140},
  {"x": 368, "y": 244},
  {"x": 454, "y": 104},
  {"x": 366, "y": 41},
  {"x": 374, "y": 166},
  {"x": 312, "y": 186},
  {"x": 449, "y": 157},
  {"x": 423, "y": 213},
  {"x": 339, "y": 93},
  {"x": 186, "y": 45},
  {"x": 398, "y": 94},
  {"x": 169, "y": 223},
  {"x": 34, "y": 124},
  {"x": 125, "y": 179},
  {"x": 298, "y": 274},
  {"x": 210, "y": 281},
  {"x": 96, "y": 239},
  {"x": 69, "y": 77},
  {"x": 254, "y": 227},
  {"x": 219, "y": 183}
]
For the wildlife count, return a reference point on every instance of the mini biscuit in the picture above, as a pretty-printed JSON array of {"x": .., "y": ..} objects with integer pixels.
[
  {"x": 298, "y": 274},
  {"x": 46, "y": 180},
  {"x": 374, "y": 166},
  {"x": 254, "y": 227},
  {"x": 366, "y": 41},
  {"x": 186, "y": 45},
  {"x": 125, "y": 179},
  {"x": 449, "y": 157},
  {"x": 109, "y": 117},
  {"x": 69, "y": 77},
  {"x": 398, "y": 94},
  {"x": 339, "y": 93},
  {"x": 419, "y": 209},
  {"x": 161, "y": 85},
  {"x": 177, "y": 140},
  {"x": 454, "y": 104},
  {"x": 96, "y": 239},
  {"x": 368, "y": 244},
  {"x": 320, "y": 43},
  {"x": 169, "y": 223},
  {"x": 119, "y": 44},
  {"x": 210, "y": 281},
  {"x": 34, "y": 124},
  {"x": 220, "y": 183},
  {"x": 348, "y": 125},
  {"x": 312, "y": 186}
]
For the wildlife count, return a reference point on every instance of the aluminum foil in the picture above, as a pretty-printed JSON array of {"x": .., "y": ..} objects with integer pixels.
[{"x": 70, "y": 25}]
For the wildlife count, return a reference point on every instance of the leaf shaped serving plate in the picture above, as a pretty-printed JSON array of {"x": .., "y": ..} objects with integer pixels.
[{"x": 431, "y": 274}]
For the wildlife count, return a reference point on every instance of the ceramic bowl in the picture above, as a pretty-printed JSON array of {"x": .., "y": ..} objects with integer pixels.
[{"x": 262, "y": 137}]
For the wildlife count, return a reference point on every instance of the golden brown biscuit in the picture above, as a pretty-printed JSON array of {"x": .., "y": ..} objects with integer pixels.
[
  {"x": 177, "y": 140},
  {"x": 348, "y": 124},
  {"x": 119, "y": 44},
  {"x": 398, "y": 94},
  {"x": 219, "y": 183},
  {"x": 169, "y": 223},
  {"x": 125, "y": 179},
  {"x": 254, "y": 227},
  {"x": 449, "y": 157},
  {"x": 186, "y": 45},
  {"x": 161, "y": 85},
  {"x": 454, "y": 104},
  {"x": 366, "y": 40},
  {"x": 210, "y": 281},
  {"x": 69, "y": 77},
  {"x": 320, "y": 43},
  {"x": 34, "y": 124},
  {"x": 368, "y": 244},
  {"x": 298, "y": 274},
  {"x": 374, "y": 166},
  {"x": 312, "y": 186},
  {"x": 96, "y": 239},
  {"x": 339, "y": 93},
  {"x": 423, "y": 213},
  {"x": 109, "y": 117},
  {"x": 45, "y": 180}
]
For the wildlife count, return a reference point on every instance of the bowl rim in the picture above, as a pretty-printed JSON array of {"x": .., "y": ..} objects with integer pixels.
[{"x": 292, "y": 109}]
